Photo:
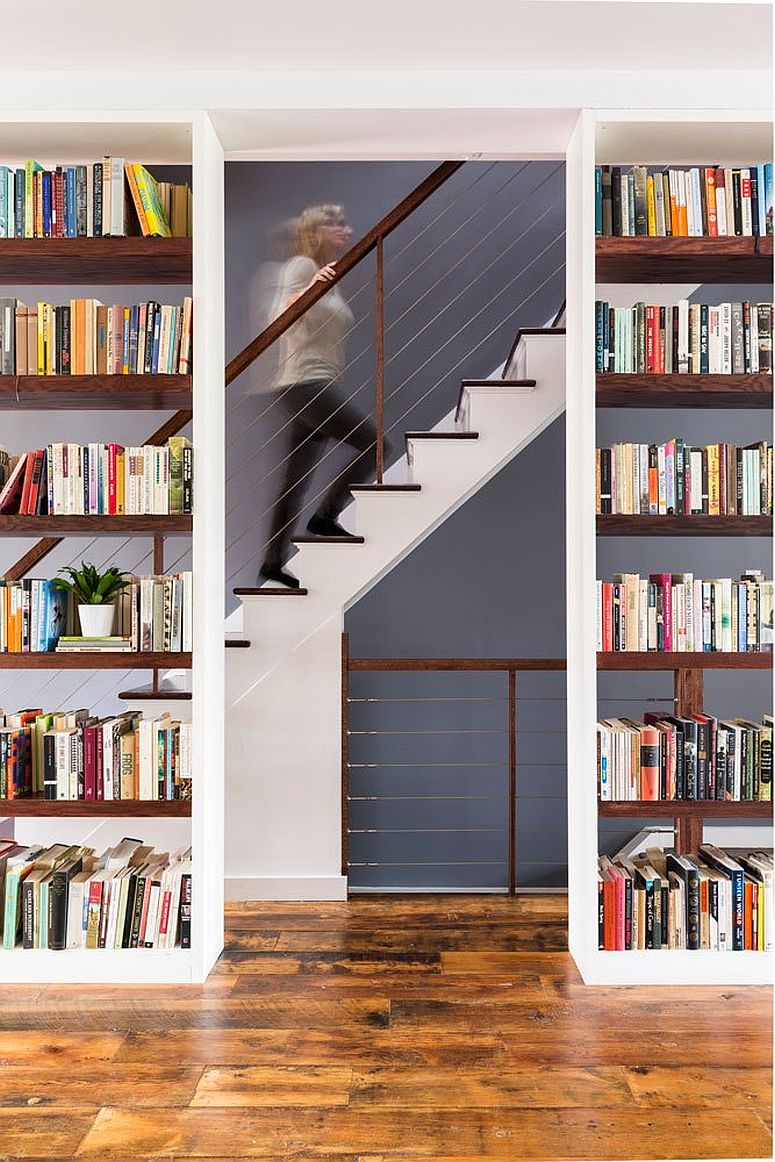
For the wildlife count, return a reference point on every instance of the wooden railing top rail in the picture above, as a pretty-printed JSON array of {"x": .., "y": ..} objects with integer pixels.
[{"x": 503, "y": 664}]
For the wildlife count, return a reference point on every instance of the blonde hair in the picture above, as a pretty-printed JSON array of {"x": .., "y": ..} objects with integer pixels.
[{"x": 308, "y": 226}]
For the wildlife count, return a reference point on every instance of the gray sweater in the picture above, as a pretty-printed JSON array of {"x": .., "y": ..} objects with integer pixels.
[{"x": 313, "y": 348}]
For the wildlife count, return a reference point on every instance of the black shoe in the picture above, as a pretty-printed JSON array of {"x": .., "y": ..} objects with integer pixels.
[
  {"x": 270, "y": 572},
  {"x": 325, "y": 526}
]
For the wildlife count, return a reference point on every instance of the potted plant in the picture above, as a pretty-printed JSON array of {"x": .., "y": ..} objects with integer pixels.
[{"x": 94, "y": 592}]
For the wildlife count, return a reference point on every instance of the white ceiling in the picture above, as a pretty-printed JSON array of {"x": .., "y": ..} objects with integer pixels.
[{"x": 426, "y": 35}]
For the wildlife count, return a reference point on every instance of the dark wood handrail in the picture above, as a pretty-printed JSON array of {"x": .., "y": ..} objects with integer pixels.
[{"x": 370, "y": 241}]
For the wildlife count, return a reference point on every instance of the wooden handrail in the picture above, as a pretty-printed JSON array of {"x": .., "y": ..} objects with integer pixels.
[{"x": 278, "y": 327}]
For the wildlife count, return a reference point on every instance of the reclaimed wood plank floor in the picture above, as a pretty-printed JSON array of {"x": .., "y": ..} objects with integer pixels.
[{"x": 386, "y": 1029}]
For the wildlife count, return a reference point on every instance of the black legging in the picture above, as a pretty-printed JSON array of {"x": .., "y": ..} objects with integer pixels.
[{"x": 319, "y": 413}]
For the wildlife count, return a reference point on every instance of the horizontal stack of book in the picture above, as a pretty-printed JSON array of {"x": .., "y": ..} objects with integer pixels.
[
  {"x": 678, "y": 613},
  {"x": 696, "y": 757},
  {"x": 153, "y": 614},
  {"x": 64, "y": 896},
  {"x": 717, "y": 901},
  {"x": 700, "y": 201},
  {"x": 79, "y": 757},
  {"x": 86, "y": 337},
  {"x": 94, "y": 200},
  {"x": 99, "y": 480},
  {"x": 674, "y": 477},
  {"x": 684, "y": 339}
]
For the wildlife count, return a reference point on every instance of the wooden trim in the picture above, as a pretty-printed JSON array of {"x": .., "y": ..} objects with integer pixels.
[
  {"x": 94, "y": 392},
  {"x": 353, "y": 256},
  {"x": 441, "y": 664},
  {"x": 689, "y": 834},
  {"x": 237, "y": 643},
  {"x": 385, "y": 487},
  {"x": 512, "y": 782},
  {"x": 687, "y": 391},
  {"x": 345, "y": 754},
  {"x": 170, "y": 427},
  {"x": 31, "y": 558},
  {"x": 95, "y": 661},
  {"x": 36, "y": 805},
  {"x": 689, "y": 692},
  {"x": 678, "y": 525},
  {"x": 269, "y": 591},
  {"x": 441, "y": 435},
  {"x": 380, "y": 357},
  {"x": 676, "y": 808},
  {"x": 312, "y": 540},
  {"x": 110, "y": 526},
  {"x": 721, "y": 260},
  {"x": 149, "y": 693},
  {"x": 640, "y": 660},
  {"x": 82, "y": 261}
]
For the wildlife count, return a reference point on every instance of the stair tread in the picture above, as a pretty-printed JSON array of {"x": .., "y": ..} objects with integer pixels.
[
  {"x": 147, "y": 693},
  {"x": 385, "y": 487},
  {"x": 499, "y": 382},
  {"x": 237, "y": 643},
  {"x": 441, "y": 435},
  {"x": 269, "y": 591},
  {"x": 311, "y": 540}
]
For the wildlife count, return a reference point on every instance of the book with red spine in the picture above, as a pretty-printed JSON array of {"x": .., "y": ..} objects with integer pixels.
[{"x": 650, "y": 766}]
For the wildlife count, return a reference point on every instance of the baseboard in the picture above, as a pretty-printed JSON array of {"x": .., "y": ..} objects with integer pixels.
[{"x": 286, "y": 888}]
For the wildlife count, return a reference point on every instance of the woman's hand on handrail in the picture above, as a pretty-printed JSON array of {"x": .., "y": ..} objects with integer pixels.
[{"x": 325, "y": 274}]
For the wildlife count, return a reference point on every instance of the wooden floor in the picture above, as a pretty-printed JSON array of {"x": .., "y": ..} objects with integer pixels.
[{"x": 385, "y": 1029}]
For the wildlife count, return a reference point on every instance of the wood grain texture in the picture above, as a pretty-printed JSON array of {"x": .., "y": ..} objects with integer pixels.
[
  {"x": 36, "y": 805},
  {"x": 704, "y": 809},
  {"x": 640, "y": 660},
  {"x": 622, "y": 525},
  {"x": 95, "y": 526},
  {"x": 422, "y": 1027},
  {"x": 103, "y": 261},
  {"x": 724, "y": 260},
  {"x": 94, "y": 392},
  {"x": 95, "y": 661},
  {"x": 684, "y": 391}
]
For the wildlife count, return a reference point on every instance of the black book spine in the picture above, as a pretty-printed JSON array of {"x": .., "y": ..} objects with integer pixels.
[
  {"x": 704, "y": 348},
  {"x": 97, "y": 170},
  {"x": 616, "y": 199},
  {"x": 126, "y": 938},
  {"x": 692, "y": 909},
  {"x": 49, "y": 767},
  {"x": 138, "y": 911},
  {"x": 664, "y": 900},
  {"x": 649, "y": 941},
  {"x": 149, "y": 329},
  {"x": 755, "y": 200},
  {"x": 605, "y": 482},
  {"x": 28, "y": 914},
  {"x": 737, "y": 202},
  {"x": 702, "y": 760},
  {"x": 185, "y": 910},
  {"x": 188, "y": 480},
  {"x": 680, "y": 766},
  {"x": 64, "y": 355},
  {"x": 600, "y": 916}
]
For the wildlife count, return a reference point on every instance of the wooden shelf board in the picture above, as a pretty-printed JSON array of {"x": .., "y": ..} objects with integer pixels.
[
  {"x": 95, "y": 661},
  {"x": 640, "y": 660},
  {"x": 102, "y": 261},
  {"x": 164, "y": 693},
  {"x": 684, "y": 391},
  {"x": 695, "y": 260},
  {"x": 706, "y": 809},
  {"x": 95, "y": 392},
  {"x": 621, "y": 525},
  {"x": 115, "y": 526},
  {"x": 123, "y": 808}
]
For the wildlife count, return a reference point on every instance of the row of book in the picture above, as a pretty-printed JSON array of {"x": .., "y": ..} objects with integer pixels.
[
  {"x": 684, "y": 339},
  {"x": 79, "y": 757},
  {"x": 659, "y": 479},
  {"x": 66, "y": 896},
  {"x": 716, "y": 901},
  {"x": 152, "y": 614},
  {"x": 693, "y": 757},
  {"x": 86, "y": 337},
  {"x": 678, "y": 613},
  {"x": 701, "y": 201},
  {"x": 95, "y": 200},
  {"x": 99, "y": 480}
]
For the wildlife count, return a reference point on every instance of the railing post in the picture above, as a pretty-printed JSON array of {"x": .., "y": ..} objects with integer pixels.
[
  {"x": 380, "y": 353},
  {"x": 512, "y": 782},
  {"x": 345, "y": 753}
]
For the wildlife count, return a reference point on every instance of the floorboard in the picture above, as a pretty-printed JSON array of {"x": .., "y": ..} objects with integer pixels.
[{"x": 438, "y": 1028}]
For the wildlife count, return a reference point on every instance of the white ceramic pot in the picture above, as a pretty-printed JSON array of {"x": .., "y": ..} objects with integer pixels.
[{"x": 96, "y": 620}]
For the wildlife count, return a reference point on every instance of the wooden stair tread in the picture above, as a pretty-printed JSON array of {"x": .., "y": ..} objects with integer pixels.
[
  {"x": 499, "y": 382},
  {"x": 237, "y": 643},
  {"x": 269, "y": 591},
  {"x": 441, "y": 435},
  {"x": 385, "y": 487},
  {"x": 148, "y": 694},
  {"x": 312, "y": 540}
]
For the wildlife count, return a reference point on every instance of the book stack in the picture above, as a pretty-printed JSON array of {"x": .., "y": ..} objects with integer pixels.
[
  {"x": 66, "y": 896},
  {"x": 659, "y": 479},
  {"x": 684, "y": 339},
  {"x": 93, "y": 200},
  {"x": 153, "y": 614},
  {"x": 684, "y": 758},
  {"x": 101, "y": 480},
  {"x": 678, "y": 613},
  {"x": 76, "y": 756},
  {"x": 695, "y": 202},
  {"x": 717, "y": 901},
  {"x": 86, "y": 337}
]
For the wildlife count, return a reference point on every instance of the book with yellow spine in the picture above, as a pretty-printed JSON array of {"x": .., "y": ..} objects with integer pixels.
[
  {"x": 651, "y": 206},
  {"x": 145, "y": 194}
]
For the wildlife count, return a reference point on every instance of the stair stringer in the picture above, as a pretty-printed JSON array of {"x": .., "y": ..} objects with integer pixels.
[{"x": 283, "y": 721}]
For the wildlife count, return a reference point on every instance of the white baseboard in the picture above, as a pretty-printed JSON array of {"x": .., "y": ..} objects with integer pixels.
[{"x": 286, "y": 888}]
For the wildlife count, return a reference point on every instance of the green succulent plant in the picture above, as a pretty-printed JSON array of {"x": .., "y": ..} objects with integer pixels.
[{"x": 89, "y": 586}]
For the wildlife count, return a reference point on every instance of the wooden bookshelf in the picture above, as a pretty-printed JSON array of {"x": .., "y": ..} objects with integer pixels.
[
  {"x": 654, "y": 660},
  {"x": 102, "y": 261},
  {"x": 36, "y": 805},
  {"x": 95, "y": 392},
  {"x": 93, "y": 660},
  {"x": 675, "y": 809},
  {"x": 683, "y": 391},
  {"x": 106, "y": 526},
  {"x": 623, "y": 525},
  {"x": 692, "y": 260}
]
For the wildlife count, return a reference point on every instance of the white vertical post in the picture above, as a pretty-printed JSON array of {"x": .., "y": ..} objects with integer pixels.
[
  {"x": 208, "y": 681},
  {"x": 580, "y": 542}
]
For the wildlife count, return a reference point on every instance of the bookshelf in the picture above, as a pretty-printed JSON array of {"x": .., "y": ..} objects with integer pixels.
[
  {"x": 666, "y": 138},
  {"x": 171, "y": 139}
]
